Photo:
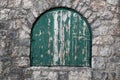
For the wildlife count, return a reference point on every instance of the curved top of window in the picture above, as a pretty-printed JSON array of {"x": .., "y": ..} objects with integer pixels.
[{"x": 61, "y": 37}]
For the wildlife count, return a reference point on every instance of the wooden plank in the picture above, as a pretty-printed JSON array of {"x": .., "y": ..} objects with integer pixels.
[{"x": 60, "y": 37}]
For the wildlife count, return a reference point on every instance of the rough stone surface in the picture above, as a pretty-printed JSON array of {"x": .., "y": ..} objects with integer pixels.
[
  {"x": 99, "y": 62},
  {"x": 1, "y": 67},
  {"x": 97, "y": 5},
  {"x": 17, "y": 18},
  {"x": 113, "y": 2}
]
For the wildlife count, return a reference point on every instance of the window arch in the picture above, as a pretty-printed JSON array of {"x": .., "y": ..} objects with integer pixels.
[{"x": 60, "y": 37}]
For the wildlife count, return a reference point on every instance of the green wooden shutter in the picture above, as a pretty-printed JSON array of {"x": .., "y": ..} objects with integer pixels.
[{"x": 60, "y": 37}]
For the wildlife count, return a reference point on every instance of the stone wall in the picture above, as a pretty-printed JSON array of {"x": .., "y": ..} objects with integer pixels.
[{"x": 17, "y": 18}]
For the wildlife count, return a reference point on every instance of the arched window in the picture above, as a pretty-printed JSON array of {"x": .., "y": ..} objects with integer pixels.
[{"x": 60, "y": 37}]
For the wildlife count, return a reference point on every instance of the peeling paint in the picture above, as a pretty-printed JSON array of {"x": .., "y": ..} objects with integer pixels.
[{"x": 64, "y": 38}]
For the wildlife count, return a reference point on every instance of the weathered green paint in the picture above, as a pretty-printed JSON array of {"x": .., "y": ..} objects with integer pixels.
[{"x": 60, "y": 37}]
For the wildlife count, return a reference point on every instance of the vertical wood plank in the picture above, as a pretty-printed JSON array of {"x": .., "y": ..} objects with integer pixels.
[{"x": 60, "y": 37}]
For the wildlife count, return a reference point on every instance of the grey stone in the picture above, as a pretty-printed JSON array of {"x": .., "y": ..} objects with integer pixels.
[
  {"x": 3, "y": 3},
  {"x": 3, "y": 52},
  {"x": 96, "y": 24},
  {"x": 112, "y": 76},
  {"x": 24, "y": 42},
  {"x": 17, "y": 18},
  {"x": 106, "y": 51},
  {"x": 114, "y": 59},
  {"x": 96, "y": 32},
  {"x": 62, "y": 76},
  {"x": 88, "y": 13},
  {"x": 87, "y": 2},
  {"x": 78, "y": 8},
  {"x": 36, "y": 75},
  {"x": 99, "y": 62},
  {"x": 100, "y": 75},
  {"x": 98, "y": 5},
  {"x": 4, "y": 25},
  {"x": 116, "y": 49},
  {"x": 30, "y": 18},
  {"x": 20, "y": 13},
  {"x": 84, "y": 9},
  {"x": 14, "y": 3},
  {"x": 75, "y": 4},
  {"x": 113, "y": 2},
  {"x": 103, "y": 40},
  {"x": 92, "y": 18},
  {"x": 20, "y": 51},
  {"x": 3, "y": 34},
  {"x": 23, "y": 34},
  {"x": 18, "y": 23},
  {"x": 14, "y": 77},
  {"x": 95, "y": 51},
  {"x": 111, "y": 67},
  {"x": 66, "y": 3},
  {"x": 38, "y": 6},
  {"x": 107, "y": 15},
  {"x": 44, "y": 73},
  {"x": 27, "y": 4},
  {"x": 4, "y": 14},
  {"x": 35, "y": 12},
  {"x": 22, "y": 62},
  {"x": 26, "y": 28},
  {"x": 12, "y": 35},
  {"x": 51, "y": 76},
  {"x": 118, "y": 72},
  {"x": 79, "y": 75},
  {"x": 104, "y": 30},
  {"x": 1, "y": 69}
]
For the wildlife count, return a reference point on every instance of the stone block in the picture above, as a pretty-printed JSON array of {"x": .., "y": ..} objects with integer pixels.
[
  {"x": 99, "y": 62},
  {"x": 96, "y": 24},
  {"x": 79, "y": 75},
  {"x": 95, "y": 51},
  {"x": 103, "y": 40},
  {"x": 50, "y": 75},
  {"x": 24, "y": 42},
  {"x": 23, "y": 34},
  {"x": 75, "y": 3},
  {"x": 112, "y": 76},
  {"x": 98, "y": 5},
  {"x": 3, "y": 52},
  {"x": 27, "y": 4},
  {"x": 63, "y": 76},
  {"x": 99, "y": 75},
  {"x": 1, "y": 68},
  {"x": 92, "y": 18},
  {"x": 113, "y": 2},
  {"x": 4, "y": 13},
  {"x": 118, "y": 71},
  {"x": 14, "y": 3},
  {"x": 22, "y": 62},
  {"x": 4, "y": 25},
  {"x": 88, "y": 13},
  {"x": 20, "y": 51},
  {"x": 78, "y": 8},
  {"x": 114, "y": 59},
  {"x": 31, "y": 19},
  {"x": 14, "y": 77},
  {"x": 106, "y": 50},
  {"x": 84, "y": 9},
  {"x": 111, "y": 67},
  {"x": 66, "y": 3},
  {"x": 107, "y": 15},
  {"x": 3, "y": 3}
]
